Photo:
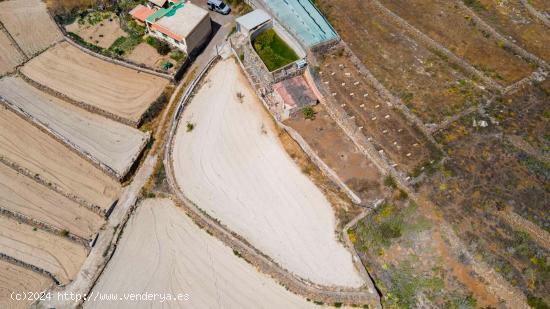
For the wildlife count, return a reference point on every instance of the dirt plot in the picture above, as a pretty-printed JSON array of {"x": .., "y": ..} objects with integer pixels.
[
  {"x": 19, "y": 280},
  {"x": 56, "y": 254},
  {"x": 113, "y": 144},
  {"x": 29, "y": 24},
  {"x": 431, "y": 87},
  {"x": 334, "y": 147},
  {"x": 450, "y": 25},
  {"x": 233, "y": 166},
  {"x": 485, "y": 175},
  {"x": 148, "y": 56},
  {"x": 512, "y": 18},
  {"x": 27, "y": 146},
  {"x": 385, "y": 126},
  {"x": 102, "y": 34},
  {"x": 185, "y": 259},
  {"x": 542, "y": 5},
  {"x": 10, "y": 57},
  {"x": 115, "y": 89},
  {"x": 20, "y": 194}
]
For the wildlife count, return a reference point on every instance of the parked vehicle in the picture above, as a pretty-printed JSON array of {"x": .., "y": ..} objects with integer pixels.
[{"x": 218, "y": 6}]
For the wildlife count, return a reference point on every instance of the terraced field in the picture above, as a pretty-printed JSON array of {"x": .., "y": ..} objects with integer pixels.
[
  {"x": 186, "y": 260},
  {"x": 512, "y": 18},
  {"x": 55, "y": 254},
  {"x": 382, "y": 124},
  {"x": 542, "y": 5},
  {"x": 111, "y": 143},
  {"x": 450, "y": 25},
  {"x": 22, "y": 195},
  {"x": 29, "y": 24},
  {"x": 426, "y": 83},
  {"x": 10, "y": 57},
  {"x": 233, "y": 166},
  {"x": 28, "y": 147},
  {"x": 18, "y": 279},
  {"x": 113, "y": 90}
]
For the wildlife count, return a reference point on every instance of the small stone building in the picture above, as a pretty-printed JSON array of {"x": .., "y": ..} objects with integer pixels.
[{"x": 294, "y": 94}]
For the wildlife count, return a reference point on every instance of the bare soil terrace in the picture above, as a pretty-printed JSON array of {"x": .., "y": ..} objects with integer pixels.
[
  {"x": 29, "y": 24},
  {"x": 426, "y": 83},
  {"x": 385, "y": 126},
  {"x": 336, "y": 149},
  {"x": 10, "y": 57},
  {"x": 102, "y": 34},
  {"x": 32, "y": 149},
  {"x": 111, "y": 143},
  {"x": 98, "y": 84},
  {"x": 17, "y": 279},
  {"x": 233, "y": 166},
  {"x": 512, "y": 18},
  {"x": 55, "y": 254},
  {"x": 542, "y": 5},
  {"x": 447, "y": 23},
  {"x": 186, "y": 260},
  {"x": 21, "y": 195}
]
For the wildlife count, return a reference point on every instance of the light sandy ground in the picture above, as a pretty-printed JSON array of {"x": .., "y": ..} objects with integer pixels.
[
  {"x": 23, "y": 195},
  {"x": 18, "y": 279},
  {"x": 56, "y": 254},
  {"x": 10, "y": 57},
  {"x": 112, "y": 143},
  {"x": 22, "y": 143},
  {"x": 102, "y": 34},
  {"x": 233, "y": 166},
  {"x": 29, "y": 24},
  {"x": 163, "y": 251},
  {"x": 113, "y": 88}
]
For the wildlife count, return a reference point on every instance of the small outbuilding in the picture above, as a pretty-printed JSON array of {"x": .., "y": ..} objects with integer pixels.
[
  {"x": 141, "y": 12},
  {"x": 294, "y": 94},
  {"x": 253, "y": 21}
]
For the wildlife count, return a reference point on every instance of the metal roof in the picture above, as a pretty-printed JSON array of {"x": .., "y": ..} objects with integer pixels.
[{"x": 253, "y": 19}]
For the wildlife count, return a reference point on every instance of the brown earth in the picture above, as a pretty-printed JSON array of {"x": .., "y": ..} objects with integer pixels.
[
  {"x": 102, "y": 34},
  {"x": 542, "y": 5},
  {"x": 30, "y": 148},
  {"x": 336, "y": 149},
  {"x": 512, "y": 18},
  {"x": 115, "y": 89},
  {"x": 29, "y": 24},
  {"x": 383, "y": 124},
  {"x": 431, "y": 87},
  {"x": 10, "y": 57},
  {"x": 53, "y": 253},
  {"x": 19, "y": 280},
  {"x": 450, "y": 25}
]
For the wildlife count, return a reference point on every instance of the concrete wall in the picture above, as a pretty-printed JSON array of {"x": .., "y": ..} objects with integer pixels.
[{"x": 199, "y": 35}]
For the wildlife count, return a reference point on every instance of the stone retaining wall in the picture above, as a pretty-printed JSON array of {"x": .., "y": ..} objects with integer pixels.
[
  {"x": 70, "y": 145},
  {"x": 533, "y": 11},
  {"x": 20, "y": 263},
  {"x": 44, "y": 226},
  {"x": 54, "y": 187}
]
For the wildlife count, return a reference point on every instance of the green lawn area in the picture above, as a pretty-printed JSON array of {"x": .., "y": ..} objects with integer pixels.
[{"x": 275, "y": 53}]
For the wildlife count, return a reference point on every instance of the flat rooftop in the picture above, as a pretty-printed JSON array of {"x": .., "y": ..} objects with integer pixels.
[
  {"x": 253, "y": 19},
  {"x": 303, "y": 18},
  {"x": 181, "y": 19}
]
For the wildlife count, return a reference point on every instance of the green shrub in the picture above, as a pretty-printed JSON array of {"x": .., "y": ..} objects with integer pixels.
[
  {"x": 273, "y": 51},
  {"x": 309, "y": 113},
  {"x": 178, "y": 55},
  {"x": 390, "y": 182},
  {"x": 190, "y": 126},
  {"x": 162, "y": 47},
  {"x": 124, "y": 45}
]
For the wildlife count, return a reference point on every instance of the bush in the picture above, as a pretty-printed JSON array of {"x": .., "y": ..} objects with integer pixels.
[
  {"x": 390, "y": 182},
  {"x": 162, "y": 47},
  {"x": 178, "y": 55},
  {"x": 273, "y": 51},
  {"x": 190, "y": 126},
  {"x": 309, "y": 113}
]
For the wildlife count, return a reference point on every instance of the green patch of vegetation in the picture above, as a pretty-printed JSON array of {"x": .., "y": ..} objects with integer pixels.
[
  {"x": 406, "y": 285},
  {"x": 178, "y": 56},
  {"x": 308, "y": 113},
  {"x": 190, "y": 126},
  {"x": 75, "y": 37},
  {"x": 388, "y": 223},
  {"x": 536, "y": 302},
  {"x": 390, "y": 182},
  {"x": 273, "y": 51},
  {"x": 125, "y": 45},
  {"x": 162, "y": 47},
  {"x": 64, "y": 233},
  {"x": 94, "y": 18}
]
